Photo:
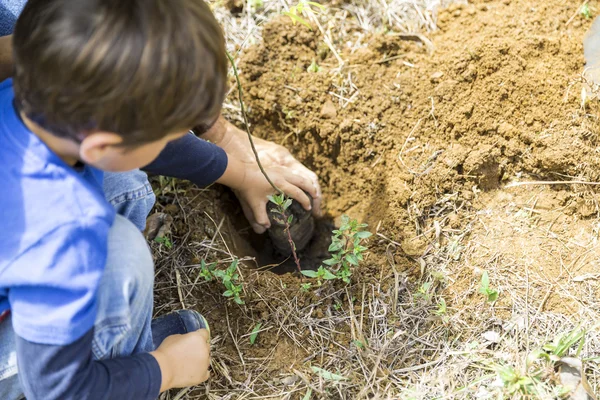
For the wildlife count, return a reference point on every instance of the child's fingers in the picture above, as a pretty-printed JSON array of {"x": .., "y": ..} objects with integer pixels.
[
  {"x": 261, "y": 219},
  {"x": 303, "y": 182},
  {"x": 297, "y": 194},
  {"x": 258, "y": 228}
]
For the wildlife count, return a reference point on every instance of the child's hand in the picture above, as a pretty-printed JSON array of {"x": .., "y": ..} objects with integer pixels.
[
  {"x": 253, "y": 194},
  {"x": 184, "y": 359}
]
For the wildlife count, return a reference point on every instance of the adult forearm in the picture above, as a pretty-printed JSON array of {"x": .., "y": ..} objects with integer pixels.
[{"x": 6, "y": 57}]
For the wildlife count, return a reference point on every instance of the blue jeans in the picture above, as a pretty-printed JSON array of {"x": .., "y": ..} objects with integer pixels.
[{"x": 125, "y": 299}]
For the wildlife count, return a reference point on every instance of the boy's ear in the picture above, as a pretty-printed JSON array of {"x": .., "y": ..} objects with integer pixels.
[{"x": 95, "y": 146}]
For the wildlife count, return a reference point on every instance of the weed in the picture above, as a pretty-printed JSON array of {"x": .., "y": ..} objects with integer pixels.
[
  {"x": 313, "y": 67},
  {"x": 305, "y": 287},
  {"x": 424, "y": 291},
  {"x": 442, "y": 309},
  {"x": 490, "y": 294},
  {"x": 296, "y": 12},
  {"x": 254, "y": 333},
  {"x": 585, "y": 11},
  {"x": 165, "y": 241},
  {"x": 229, "y": 277}
]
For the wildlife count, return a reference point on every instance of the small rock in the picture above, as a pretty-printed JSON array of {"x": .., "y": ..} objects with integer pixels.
[
  {"x": 436, "y": 76},
  {"x": 576, "y": 23},
  {"x": 158, "y": 225},
  {"x": 290, "y": 380},
  {"x": 491, "y": 336},
  {"x": 328, "y": 110}
]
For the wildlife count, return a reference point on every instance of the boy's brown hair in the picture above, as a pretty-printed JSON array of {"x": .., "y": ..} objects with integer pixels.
[{"x": 138, "y": 68}]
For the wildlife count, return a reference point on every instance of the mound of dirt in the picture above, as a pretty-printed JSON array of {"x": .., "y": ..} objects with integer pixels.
[{"x": 499, "y": 96}]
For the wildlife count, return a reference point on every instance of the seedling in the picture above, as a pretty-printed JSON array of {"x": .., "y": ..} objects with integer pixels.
[
  {"x": 442, "y": 309},
  {"x": 490, "y": 294},
  {"x": 305, "y": 287},
  {"x": 424, "y": 291},
  {"x": 346, "y": 248},
  {"x": 165, "y": 241},
  {"x": 229, "y": 278},
  {"x": 297, "y": 12},
  {"x": 283, "y": 203},
  {"x": 585, "y": 11},
  {"x": 254, "y": 333},
  {"x": 313, "y": 67}
]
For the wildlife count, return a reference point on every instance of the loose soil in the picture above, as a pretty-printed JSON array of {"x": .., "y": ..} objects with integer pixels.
[{"x": 419, "y": 143}]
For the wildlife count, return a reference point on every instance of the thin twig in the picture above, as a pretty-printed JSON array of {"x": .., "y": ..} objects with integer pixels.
[{"x": 246, "y": 124}]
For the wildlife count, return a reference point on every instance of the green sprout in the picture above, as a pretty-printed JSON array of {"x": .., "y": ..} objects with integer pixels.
[
  {"x": 313, "y": 67},
  {"x": 165, "y": 241},
  {"x": 229, "y": 277},
  {"x": 254, "y": 333},
  {"x": 424, "y": 291},
  {"x": 484, "y": 288},
  {"x": 305, "y": 287},
  {"x": 303, "y": 7},
  {"x": 585, "y": 11}
]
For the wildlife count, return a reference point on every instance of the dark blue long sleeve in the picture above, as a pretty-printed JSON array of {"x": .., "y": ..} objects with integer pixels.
[
  {"x": 69, "y": 373},
  {"x": 190, "y": 158}
]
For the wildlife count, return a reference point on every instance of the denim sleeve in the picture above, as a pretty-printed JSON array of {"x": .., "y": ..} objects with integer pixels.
[
  {"x": 9, "y": 11},
  {"x": 190, "y": 158},
  {"x": 69, "y": 373}
]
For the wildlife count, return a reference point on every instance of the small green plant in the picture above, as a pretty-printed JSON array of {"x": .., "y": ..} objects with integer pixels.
[
  {"x": 423, "y": 292},
  {"x": 313, "y": 67},
  {"x": 229, "y": 277},
  {"x": 165, "y": 241},
  {"x": 442, "y": 310},
  {"x": 490, "y": 294},
  {"x": 346, "y": 247},
  {"x": 305, "y": 287},
  {"x": 322, "y": 274},
  {"x": 297, "y": 12},
  {"x": 585, "y": 11},
  {"x": 283, "y": 203},
  {"x": 255, "y": 332}
]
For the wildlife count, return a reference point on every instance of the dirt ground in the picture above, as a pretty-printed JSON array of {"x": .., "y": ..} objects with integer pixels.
[{"x": 420, "y": 137}]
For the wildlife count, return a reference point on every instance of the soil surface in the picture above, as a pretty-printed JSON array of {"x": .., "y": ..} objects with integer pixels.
[{"x": 419, "y": 142}]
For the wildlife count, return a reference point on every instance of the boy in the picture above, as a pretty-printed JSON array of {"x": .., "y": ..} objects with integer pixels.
[{"x": 105, "y": 85}]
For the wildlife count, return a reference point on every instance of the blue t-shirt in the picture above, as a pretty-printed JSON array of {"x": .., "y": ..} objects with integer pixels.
[{"x": 53, "y": 241}]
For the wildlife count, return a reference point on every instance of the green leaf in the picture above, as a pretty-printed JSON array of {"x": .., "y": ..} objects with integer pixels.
[
  {"x": 238, "y": 300},
  {"x": 290, "y": 219},
  {"x": 335, "y": 246},
  {"x": 309, "y": 273},
  {"x": 492, "y": 296},
  {"x": 331, "y": 261},
  {"x": 312, "y": 3},
  {"x": 359, "y": 344},
  {"x": 485, "y": 282},
  {"x": 287, "y": 204},
  {"x": 228, "y": 293},
  {"x": 364, "y": 234},
  {"x": 308, "y": 394},
  {"x": 255, "y": 333},
  {"x": 295, "y": 18},
  {"x": 328, "y": 275},
  {"x": 328, "y": 376},
  {"x": 352, "y": 259}
]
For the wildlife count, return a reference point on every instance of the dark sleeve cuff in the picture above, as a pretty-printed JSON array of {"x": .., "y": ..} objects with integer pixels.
[{"x": 190, "y": 158}]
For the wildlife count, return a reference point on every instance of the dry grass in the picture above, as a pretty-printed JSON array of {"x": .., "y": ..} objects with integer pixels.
[{"x": 403, "y": 346}]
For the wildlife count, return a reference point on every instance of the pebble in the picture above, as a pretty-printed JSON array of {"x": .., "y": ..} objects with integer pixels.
[{"x": 328, "y": 111}]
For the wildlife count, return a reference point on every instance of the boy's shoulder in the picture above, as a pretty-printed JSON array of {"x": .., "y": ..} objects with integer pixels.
[{"x": 40, "y": 192}]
